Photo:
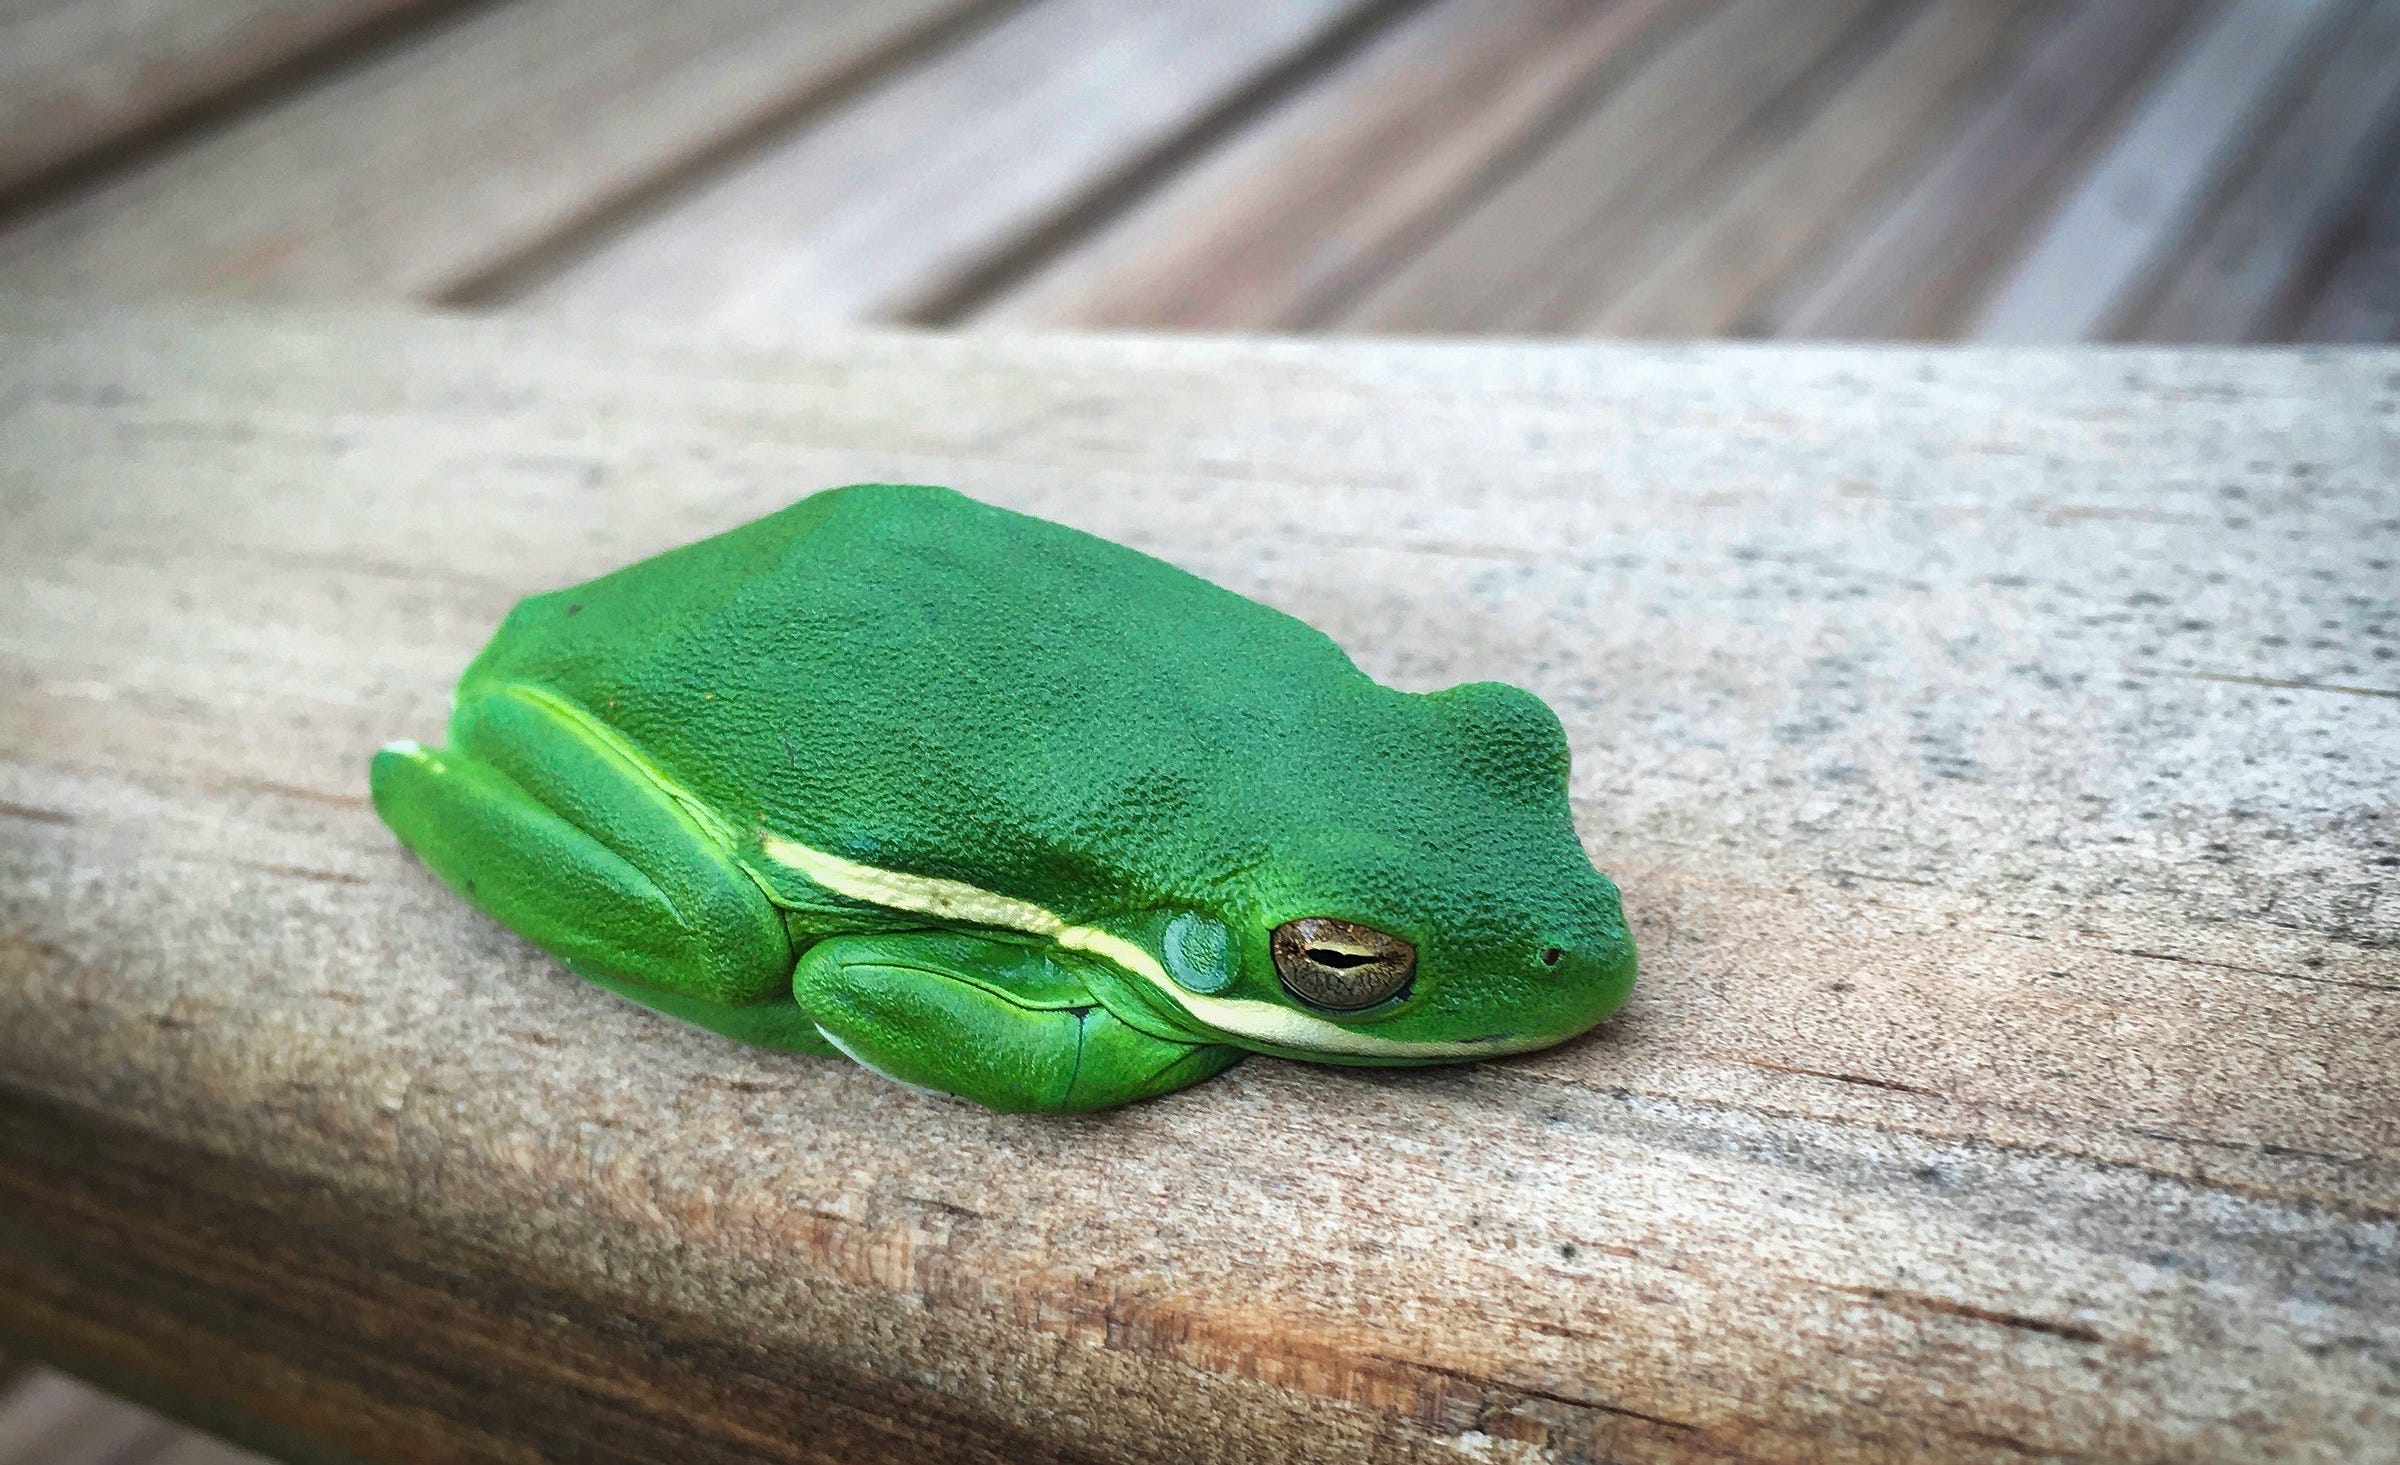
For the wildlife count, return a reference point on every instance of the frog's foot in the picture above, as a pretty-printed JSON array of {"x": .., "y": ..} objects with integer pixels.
[
  {"x": 995, "y": 1021},
  {"x": 546, "y": 821}
]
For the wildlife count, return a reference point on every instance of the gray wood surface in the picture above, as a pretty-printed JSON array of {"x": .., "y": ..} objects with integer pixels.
[
  {"x": 443, "y": 160},
  {"x": 77, "y": 75},
  {"x": 1995, "y": 749},
  {"x": 887, "y": 210}
]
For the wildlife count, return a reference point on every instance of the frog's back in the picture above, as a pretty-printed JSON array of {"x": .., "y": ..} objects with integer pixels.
[
  {"x": 574, "y": 639},
  {"x": 899, "y": 673}
]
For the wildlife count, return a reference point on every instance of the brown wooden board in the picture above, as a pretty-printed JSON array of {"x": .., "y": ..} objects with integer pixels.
[
  {"x": 1995, "y": 750},
  {"x": 1286, "y": 222},
  {"x": 442, "y": 160},
  {"x": 1919, "y": 262},
  {"x": 79, "y": 75},
  {"x": 893, "y": 206}
]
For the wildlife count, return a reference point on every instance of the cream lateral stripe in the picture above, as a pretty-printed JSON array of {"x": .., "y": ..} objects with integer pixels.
[
  {"x": 923, "y": 894},
  {"x": 955, "y": 900}
]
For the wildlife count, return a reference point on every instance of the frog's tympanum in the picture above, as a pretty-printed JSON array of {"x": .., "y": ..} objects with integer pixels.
[{"x": 1001, "y": 809}]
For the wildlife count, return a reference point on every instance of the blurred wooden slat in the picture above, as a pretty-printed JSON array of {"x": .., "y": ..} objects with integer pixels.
[
  {"x": 1707, "y": 283},
  {"x": 2359, "y": 300},
  {"x": 1286, "y": 222},
  {"x": 1600, "y": 270},
  {"x": 1641, "y": 167},
  {"x": 49, "y": 1419},
  {"x": 1915, "y": 264},
  {"x": 2332, "y": 146},
  {"x": 1520, "y": 260},
  {"x": 76, "y": 75},
  {"x": 449, "y": 156},
  {"x": 888, "y": 207},
  {"x": 2107, "y": 242}
]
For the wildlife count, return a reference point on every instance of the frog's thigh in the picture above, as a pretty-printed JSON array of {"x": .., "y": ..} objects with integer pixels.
[
  {"x": 582, "y": 853},
  {"x": 950, "y": 1013}
]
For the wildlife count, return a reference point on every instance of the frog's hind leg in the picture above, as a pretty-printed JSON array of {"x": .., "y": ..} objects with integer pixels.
[{"x": 548, "y": 823}]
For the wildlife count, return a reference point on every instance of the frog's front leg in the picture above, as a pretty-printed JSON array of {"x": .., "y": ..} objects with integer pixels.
[
  {"x": 542, "y": 818},
  {"x": 996, "y": 1021}
]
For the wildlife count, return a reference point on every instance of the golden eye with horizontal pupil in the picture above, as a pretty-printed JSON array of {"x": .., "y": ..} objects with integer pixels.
[{"x": 1341, "y": 966}]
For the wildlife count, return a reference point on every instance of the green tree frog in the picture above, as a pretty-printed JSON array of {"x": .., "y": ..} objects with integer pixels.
[{"x": 1001, "y": 809}]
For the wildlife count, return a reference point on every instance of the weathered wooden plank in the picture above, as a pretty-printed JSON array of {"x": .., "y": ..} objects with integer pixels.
[
  {"x": 1520, "y": 260},
  {"x": 449, "y": 157},
  {"x": 1995, "y": 750},
  {"x": 1282, "y": 225},
  {"x": 2106, "y": 244},
  {"x": 2235, "y": 280},
  {"x": 76, "y": 75},
  {"x": 883, "y": 211},
  {"x": 1798, "y": 191},
  {"x": 2359, "y": 299}
]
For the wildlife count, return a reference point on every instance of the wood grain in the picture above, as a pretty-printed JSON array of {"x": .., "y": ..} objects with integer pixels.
[
  {"x": 2126, "y": 218},
  {"x": 1995, "y": 751},
  {"x": 76, "y": 75},
  {"x": 1287, "y": 222},
  {"x": 882, "y": 211},
  {"x": 1919, "y": 263},
  {"x": 450, "y": 157},
  {"x": 2336, "y": 142},
  {"x": 1802, "y": 183},
  {"x": 1521, "y": 259}
]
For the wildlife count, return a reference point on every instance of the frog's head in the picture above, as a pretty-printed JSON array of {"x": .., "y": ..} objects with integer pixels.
[{"x": 1423, "y": 900}]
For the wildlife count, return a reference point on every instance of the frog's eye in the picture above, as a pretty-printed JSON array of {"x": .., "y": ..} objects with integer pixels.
[{"x": 1341, "y": 966}]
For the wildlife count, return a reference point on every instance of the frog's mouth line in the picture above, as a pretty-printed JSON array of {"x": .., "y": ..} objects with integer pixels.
[{"x": 1261, "y": 1022}]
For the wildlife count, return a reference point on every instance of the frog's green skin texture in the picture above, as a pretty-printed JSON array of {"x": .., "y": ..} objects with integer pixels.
[{"x": 1001, "y": 809}]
